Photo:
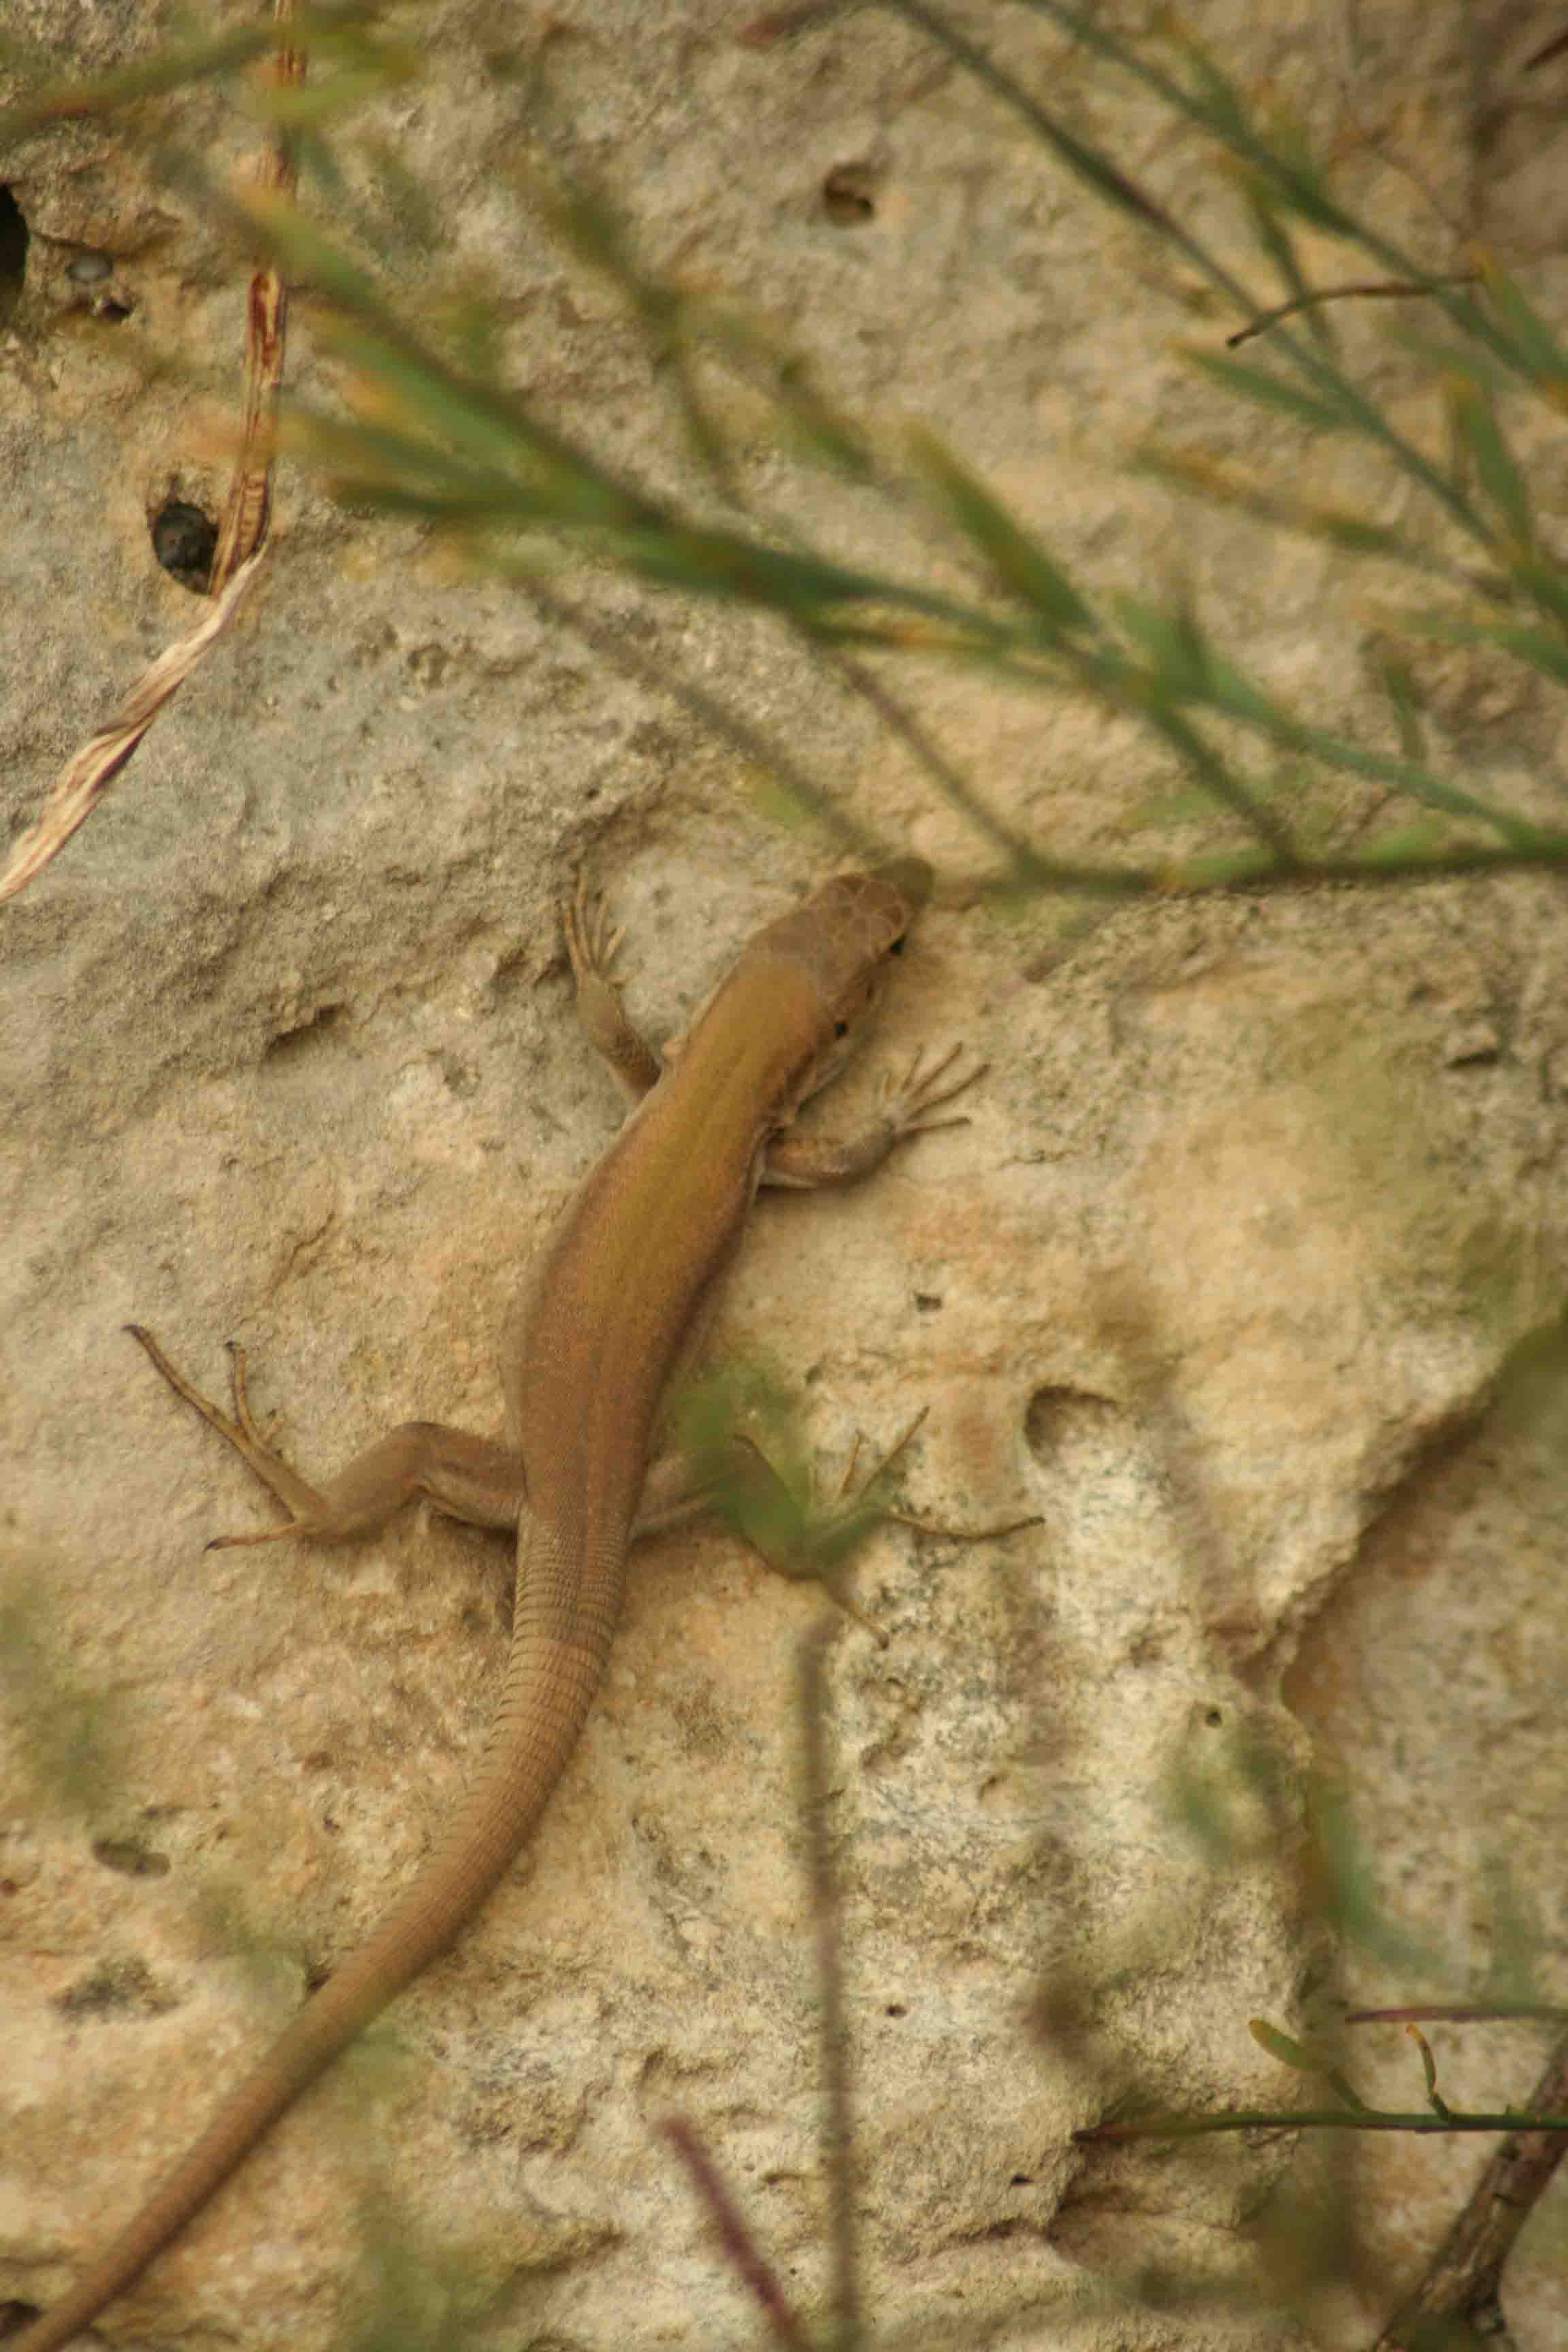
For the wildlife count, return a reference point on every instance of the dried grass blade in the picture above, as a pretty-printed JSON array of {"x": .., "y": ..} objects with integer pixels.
[
  {"x": 84, "y": 779},
  {"x": 243, "y": 532},
  {"x": 242, "y": 539}
]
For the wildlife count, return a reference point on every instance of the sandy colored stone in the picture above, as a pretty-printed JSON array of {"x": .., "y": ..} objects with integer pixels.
[{"x": 1226, "y": 1279}]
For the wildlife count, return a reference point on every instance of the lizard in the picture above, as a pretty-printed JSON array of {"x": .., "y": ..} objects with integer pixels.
[{"x": 615, "y": 1306}]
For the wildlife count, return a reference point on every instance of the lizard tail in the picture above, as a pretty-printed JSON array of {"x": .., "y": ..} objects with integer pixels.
[{"x": 550, "y": 1685}]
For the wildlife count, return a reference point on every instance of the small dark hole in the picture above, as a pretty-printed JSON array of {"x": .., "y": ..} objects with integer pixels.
[
  {"x": 117, "y": 1988},
  {"x": 131, "y": 1860},
  {"x": 1021, "y": 2181},
  {"x": 15, "y": 2316},
  {"x": 1213, "y": 1717},
  {"x": 848, "y": 195},
  {"x": 310, "y": 1031},
  {"x": 112, "y": 311},
  {"x": 13, "y": 241},
  {"x": 183, "y": 541},
  {"x": 926, "y": 1302},
  {"x": 895, "y": 2009}
]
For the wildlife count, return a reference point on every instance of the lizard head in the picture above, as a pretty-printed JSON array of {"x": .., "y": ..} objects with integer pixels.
[
  {"x": 807, "y": 981},
  {"x": 842, "y": 940}
]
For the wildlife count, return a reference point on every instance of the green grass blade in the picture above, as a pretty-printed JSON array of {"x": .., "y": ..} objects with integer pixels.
[
  {"x": 179, "y": 63},
  {"x": 1540, "y": 649},
  {"x": 1268, "y": 391},
  {"x": 1536, "y": 351},
  {"x": 1278, "y": 243},
  {"x": 1478, "y": 432},
  {"x": 1195, "y": 475},
  {"x": 1012, "y": 555}
]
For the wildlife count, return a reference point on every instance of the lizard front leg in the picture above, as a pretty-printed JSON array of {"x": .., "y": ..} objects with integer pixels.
[
  {"x": 905, "y": 1105},
  {"x": 592, "y": 947}
]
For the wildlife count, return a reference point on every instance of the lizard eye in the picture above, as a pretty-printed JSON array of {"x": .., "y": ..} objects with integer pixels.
[
  {"x": 896, "y": 947},
  {"x": 841, "y": 1028}
]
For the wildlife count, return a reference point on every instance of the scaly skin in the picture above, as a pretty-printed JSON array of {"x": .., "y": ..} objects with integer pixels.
[{"x": 622, "y": 1285}]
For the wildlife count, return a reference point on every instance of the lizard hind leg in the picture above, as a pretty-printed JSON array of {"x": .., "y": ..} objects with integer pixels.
[
  {"x": 854, "y": 1498},
  {"x": 790, "y": 1530},
  {"x": 471, "y": 1478}
]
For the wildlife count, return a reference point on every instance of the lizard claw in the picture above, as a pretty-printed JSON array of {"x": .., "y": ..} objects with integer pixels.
[
  {"x": 592, "y": 943},
  {"x": 855, "y": 1497},
  {"x": 909, "y": 1100}
]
